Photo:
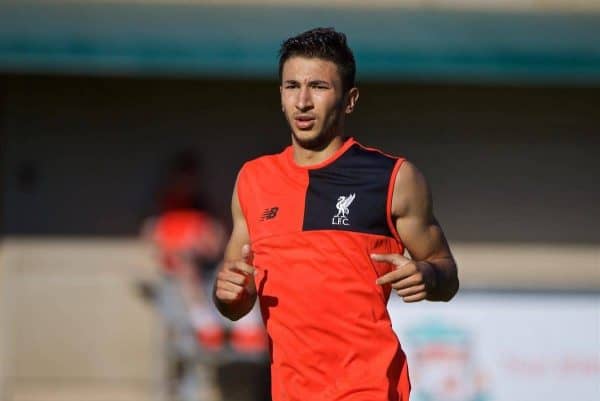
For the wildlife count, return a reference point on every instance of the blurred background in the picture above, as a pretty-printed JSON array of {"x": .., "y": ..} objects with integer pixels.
[{"x": 114, "y": 113}]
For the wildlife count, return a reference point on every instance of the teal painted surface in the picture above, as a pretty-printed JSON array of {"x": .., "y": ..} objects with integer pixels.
[{"x": 243, "y": 42}]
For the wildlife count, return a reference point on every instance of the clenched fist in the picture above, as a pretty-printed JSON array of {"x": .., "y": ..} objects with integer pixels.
[
  {"x": 413, "y": 281},
  {"x": 235, "y": 280}
]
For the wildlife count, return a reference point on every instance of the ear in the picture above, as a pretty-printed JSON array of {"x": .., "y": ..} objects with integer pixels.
[
  {"x": 280, "y": 96},
  {"x": 352, "y": 99}
]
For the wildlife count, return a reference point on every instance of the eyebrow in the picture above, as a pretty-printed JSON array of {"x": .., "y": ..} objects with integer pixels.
[
  {"x": 313, "y": 82},
  {"x": 319, "y": 82}
]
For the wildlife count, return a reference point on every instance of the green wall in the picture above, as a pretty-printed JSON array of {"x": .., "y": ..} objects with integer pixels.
[{"x": 242, "y": 41}]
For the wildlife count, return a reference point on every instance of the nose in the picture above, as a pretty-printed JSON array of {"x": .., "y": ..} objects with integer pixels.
[{"x": 304, "y": 100}]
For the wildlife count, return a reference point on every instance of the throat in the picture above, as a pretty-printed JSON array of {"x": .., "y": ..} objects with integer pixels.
[{"x": 307, "y": 157}]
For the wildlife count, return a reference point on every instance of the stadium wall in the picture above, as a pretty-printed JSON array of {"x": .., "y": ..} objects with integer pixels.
[{"x": 82, "y": 156}]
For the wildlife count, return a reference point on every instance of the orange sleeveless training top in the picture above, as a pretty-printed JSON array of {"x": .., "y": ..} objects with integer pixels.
[{"x": 312, "y": 230}]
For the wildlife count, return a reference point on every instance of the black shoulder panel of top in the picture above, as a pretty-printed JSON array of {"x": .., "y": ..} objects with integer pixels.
[{"x": 350, "y": 194}]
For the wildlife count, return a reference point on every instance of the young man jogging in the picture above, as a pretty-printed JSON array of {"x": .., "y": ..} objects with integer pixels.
[{"x": 319, "y": 235}]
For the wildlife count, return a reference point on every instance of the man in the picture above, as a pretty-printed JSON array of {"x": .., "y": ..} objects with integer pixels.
[{"x": 319, "y": 234}]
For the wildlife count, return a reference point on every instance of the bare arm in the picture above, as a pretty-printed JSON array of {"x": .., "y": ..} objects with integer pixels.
[
  {"x": 432, "y": 272},
  {"x": 234, "y": 291}
]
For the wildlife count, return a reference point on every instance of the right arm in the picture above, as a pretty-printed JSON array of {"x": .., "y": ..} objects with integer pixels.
[{"x": 234, "y": 291}]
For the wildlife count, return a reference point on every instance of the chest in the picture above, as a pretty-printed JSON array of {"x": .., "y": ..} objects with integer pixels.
[{"x": 353, "y": 198}]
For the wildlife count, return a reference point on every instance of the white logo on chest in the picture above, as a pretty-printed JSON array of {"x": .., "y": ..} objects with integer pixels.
[{"x": 343, "y": 205}]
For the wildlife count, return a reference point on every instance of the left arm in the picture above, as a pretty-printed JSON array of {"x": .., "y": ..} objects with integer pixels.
[{"x": 431, "y": 273}]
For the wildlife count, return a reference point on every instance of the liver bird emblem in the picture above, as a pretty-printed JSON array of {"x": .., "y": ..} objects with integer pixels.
[{"x": 343, "y": 204}]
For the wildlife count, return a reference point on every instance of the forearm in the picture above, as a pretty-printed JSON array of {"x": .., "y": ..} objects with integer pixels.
[
  {"x": 234, "y": 292},
  {"x": 445, "y": 279}
]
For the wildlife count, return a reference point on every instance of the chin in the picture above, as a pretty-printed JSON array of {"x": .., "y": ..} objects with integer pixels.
[{"x": 311, "y": 140}]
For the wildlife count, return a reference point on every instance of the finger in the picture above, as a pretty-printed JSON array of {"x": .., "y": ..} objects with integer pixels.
[
  {"x": 410, "y": 281},
  {"x": 392, "y": 276},
  {"x": 229, "y": 286},
  {"x": 226, "y": 296},
  {"x": 244, "y": 268},
  {"x": 415, "y": 289},
  {"x": 420, "y": 296},
  {"x": 233, "y": 277},
  {"x": 394, "y": 258}
]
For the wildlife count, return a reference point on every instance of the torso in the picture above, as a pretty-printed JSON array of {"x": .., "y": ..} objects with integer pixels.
[{"x": 312, "y": 231}]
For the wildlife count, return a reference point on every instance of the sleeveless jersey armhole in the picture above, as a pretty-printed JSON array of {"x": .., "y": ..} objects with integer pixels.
[
  {"x": 390, "y": 196},
  {"x": 241, "y": 190}
]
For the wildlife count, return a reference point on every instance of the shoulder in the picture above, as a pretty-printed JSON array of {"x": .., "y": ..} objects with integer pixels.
[
  {"x": 375, "y": 153},
  {"x": 411, "y": 191},
  {"x": 409, "y": 175},
  {"x": 404, "y": 175},
  {"x": 262, "y": 160},
  {"x": 364, "y": 160},
  {"x": 260, "y": 166}
]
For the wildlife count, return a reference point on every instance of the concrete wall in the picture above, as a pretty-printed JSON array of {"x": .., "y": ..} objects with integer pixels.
[
  {"x": 508, "y": 164},
  {"x": 73, "y": 327}
]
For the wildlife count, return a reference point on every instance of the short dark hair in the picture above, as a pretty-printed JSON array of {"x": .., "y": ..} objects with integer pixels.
[{"x": 323, "y": 43}]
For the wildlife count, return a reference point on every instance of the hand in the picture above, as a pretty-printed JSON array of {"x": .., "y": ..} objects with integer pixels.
[
  {"x": 411, "y": 280},
  {"x": 235, "y": 279}
]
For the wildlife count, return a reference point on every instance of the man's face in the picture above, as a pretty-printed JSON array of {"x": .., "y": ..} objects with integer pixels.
[{"x": 313, "y": 100}]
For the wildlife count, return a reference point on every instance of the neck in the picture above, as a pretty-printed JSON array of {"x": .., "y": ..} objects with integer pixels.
[{"x": 308, "y": 157}]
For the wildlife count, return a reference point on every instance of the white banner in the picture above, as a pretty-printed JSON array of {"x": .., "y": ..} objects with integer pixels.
[{"x": 502, "y": 347}]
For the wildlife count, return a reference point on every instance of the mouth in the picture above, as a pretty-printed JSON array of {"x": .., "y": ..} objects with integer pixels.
[{"x": 304, "y": 122}]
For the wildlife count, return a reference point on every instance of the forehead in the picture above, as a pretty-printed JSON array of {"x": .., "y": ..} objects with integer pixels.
[{"x": 309, "y": 68}]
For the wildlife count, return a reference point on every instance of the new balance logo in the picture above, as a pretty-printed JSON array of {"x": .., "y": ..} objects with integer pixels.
[
  {"x": 269, "y": 213},
  {"x": 343, "y": 205}
]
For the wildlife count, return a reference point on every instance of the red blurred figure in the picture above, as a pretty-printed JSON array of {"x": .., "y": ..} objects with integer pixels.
[{"x": 188, "y": 242}]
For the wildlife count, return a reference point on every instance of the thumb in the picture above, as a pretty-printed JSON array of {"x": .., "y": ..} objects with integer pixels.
[{"x": 246, "y": 253}]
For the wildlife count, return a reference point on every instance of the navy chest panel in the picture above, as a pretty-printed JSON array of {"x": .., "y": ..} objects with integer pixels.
[{"x": 350, "y": 194}]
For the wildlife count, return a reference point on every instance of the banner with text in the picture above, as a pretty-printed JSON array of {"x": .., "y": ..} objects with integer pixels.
[{"x": 502, "y": 346}]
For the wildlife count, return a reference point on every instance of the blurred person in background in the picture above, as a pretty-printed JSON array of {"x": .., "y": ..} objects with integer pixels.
[
  {"x": 189, "y": 242},
  {"x": 319, "y": 235}
]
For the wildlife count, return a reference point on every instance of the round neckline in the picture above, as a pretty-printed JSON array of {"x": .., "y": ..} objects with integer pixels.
[{"x": 336, "y": 155}]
